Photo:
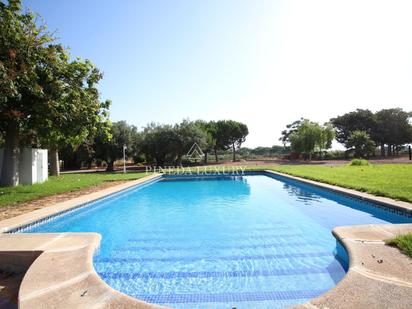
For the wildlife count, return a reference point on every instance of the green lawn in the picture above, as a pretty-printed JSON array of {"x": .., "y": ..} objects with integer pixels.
[
  {"x": 390, "y": 180},
  {"x": 61, "y": 184},
  {"x": 403, "y": 242}
]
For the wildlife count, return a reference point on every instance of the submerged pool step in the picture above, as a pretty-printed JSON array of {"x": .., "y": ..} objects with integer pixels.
[
  {"x": 281, "y": 226},
  {"x": 230, "y": 297},
  {"x": 189, "y": 285},
  {"x": 231, "y": 237},
  {"x": 221, "y": 274},
  {"x": 195, "y": 251},
  {"x": 216, "y": 258},
  {"x": 276, "y": 244}
]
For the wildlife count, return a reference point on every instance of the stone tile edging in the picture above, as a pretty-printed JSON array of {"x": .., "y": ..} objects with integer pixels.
[
  {"x": 380, "y": 200},
  {"x": 53, "y": 210},
  {"x": 379, "y": 276},
  {"x": 62, "y": 276}
]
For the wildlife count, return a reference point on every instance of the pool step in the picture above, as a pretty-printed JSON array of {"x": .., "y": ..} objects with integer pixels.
[
  {"x": 186, "y": 259},
  {"x": 229, "y": 297},
  {"x": 333, "y": 268}
]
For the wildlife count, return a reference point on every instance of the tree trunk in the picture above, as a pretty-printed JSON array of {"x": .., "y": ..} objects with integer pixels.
[
  {"x": 205, "y": 160},
  {"x": 54, "y": 161},
  {"x": 110, "y": 166},
  {"x": 382, "y": 149},
  {"x": 389, "y": 150},
  {"x": 11, "y": 152},
  {"x": 234, "y": 152},
  {"x": 216, "y": 158}
]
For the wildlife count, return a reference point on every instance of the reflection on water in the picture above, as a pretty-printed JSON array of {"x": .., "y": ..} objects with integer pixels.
[{"x": 302, "y": 195}]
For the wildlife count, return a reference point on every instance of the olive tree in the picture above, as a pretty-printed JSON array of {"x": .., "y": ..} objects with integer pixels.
[{"x": 110, "y": 149}]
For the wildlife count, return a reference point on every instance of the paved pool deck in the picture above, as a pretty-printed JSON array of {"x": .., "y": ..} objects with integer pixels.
[{"x": 56, "y": 269}]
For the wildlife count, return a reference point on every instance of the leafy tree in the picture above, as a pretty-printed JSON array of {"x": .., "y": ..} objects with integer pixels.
[
  {"x": 111, "y": 149},
  {"x": 188, "y": 133},
  {"x": 290, "y": 128},
  {"x": 326, "y": 136},
  {"x": 361, "y": 119},
  {"x": 77, "y": 113},
  {"x": 306, "y": 137},
  {"x": 209, "y": 128},
  {"x": 361, "y": 144},
  {"x": 228, "y": 134},
  {"x": 75, "y": 156},
  {"x": 159, "y": 143},
  {"x": 43, "y": 94},
  {"x": 23, "y": 53},
  {"x": 394, "y": 128}
]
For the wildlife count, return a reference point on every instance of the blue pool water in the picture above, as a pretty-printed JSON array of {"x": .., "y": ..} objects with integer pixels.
[{"x": 246, "y": 242}]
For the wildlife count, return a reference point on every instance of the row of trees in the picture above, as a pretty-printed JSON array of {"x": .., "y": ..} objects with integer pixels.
[
  {"x": 360, "y": 131},
  {"x": 160, "y": 144},
  {"x": 46, "y": 98},
  {"x": 387, "y": 127}
]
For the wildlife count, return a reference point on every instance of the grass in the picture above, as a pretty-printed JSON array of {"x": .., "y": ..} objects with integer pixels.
[
  {"x": 389, "y": 180},
  {"x": 60, "y": 184},
  {"x": 403, "y": 242}
]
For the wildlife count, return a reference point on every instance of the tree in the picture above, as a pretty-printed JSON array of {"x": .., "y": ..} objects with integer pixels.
[
  {"x": 77, "y": 113},
  {"x": 290, "y": 128},
  {"x": 327, "y": 134},
  {"x": 188, "y": 134},
  {"x": 159, "y": 143},
  {"x": 111, "y": 149},
  {"x": 306, "y": 137},
  {"x": 228, "y": 134},
  {"x": 23, "y": 54},
  {"x": 361, "y": 119},
  {"x": 394, "y": 129},
  {"x": 209, "y": 128},
  {"x": 43, "y": 94},
  {"x": 360, "y": 143}
]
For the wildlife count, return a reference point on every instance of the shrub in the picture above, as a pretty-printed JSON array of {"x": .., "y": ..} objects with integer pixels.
[{"x": 359, "y": 162}]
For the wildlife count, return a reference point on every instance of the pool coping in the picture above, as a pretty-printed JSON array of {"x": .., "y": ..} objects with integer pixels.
[
  {"x": 27, "y": 219},
  {"x": 62, "y": 273}
]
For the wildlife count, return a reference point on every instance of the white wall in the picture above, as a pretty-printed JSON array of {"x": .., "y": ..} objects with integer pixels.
[{"x": 33, "y": 165}]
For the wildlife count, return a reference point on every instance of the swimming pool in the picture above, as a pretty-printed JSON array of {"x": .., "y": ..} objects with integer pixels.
[{"x": 221, "y": 242}]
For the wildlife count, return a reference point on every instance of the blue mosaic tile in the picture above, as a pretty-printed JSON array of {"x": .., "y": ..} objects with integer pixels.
[
  {"x": 218, "y": 274},
  {"x": 230, "y": 297}
]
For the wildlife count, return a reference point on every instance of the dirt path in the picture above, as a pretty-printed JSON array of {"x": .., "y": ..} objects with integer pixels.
[{"x": 10, "y": 211}]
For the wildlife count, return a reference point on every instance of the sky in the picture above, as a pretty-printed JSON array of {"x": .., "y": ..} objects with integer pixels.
[{"x": 264, "y": 63}]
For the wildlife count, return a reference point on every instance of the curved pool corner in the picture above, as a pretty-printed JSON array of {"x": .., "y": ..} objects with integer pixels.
[{"x": 379, "y": 276}]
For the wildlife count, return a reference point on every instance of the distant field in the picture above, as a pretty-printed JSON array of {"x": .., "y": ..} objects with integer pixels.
[
  {"x": 390, "y": 180},
  {"x": 60, "y": 184}
]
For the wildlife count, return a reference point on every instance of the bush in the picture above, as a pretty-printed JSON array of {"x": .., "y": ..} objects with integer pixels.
[{"x": 359, "y": 162}]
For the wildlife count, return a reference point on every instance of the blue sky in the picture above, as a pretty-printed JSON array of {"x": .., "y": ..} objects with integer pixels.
[{"x": 265, "y": 63}]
